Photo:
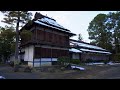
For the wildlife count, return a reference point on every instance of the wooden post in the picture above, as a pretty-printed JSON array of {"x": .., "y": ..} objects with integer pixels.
[
  {"x": 51, "y": 55},
  {"x": 40, "y": 57},
  {"x": 33, "y": 54}
]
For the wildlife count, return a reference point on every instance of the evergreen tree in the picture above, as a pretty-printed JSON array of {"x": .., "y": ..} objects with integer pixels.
[
  {"x": 7, "y": 43},
  {"x": 98, "y": 32},
  {"x": 113, "y": 25},
  {"x": 80, "y": 37},
  {"x": 15, "y": 18},
  {"x": 104, "y": 31}
]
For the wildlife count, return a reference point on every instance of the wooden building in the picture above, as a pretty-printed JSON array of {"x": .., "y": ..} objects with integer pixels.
[
  {"x": 85, "y": 51},
  {"x": 48, "y": 42}
]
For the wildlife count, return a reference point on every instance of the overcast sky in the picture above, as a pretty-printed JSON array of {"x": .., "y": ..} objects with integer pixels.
[{"x": 76, "y": 21}]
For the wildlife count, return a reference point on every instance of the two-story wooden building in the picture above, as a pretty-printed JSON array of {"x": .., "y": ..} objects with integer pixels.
[{"x": 48, "y": 42}]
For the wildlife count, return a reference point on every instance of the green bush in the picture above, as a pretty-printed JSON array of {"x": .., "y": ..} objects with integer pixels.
[
  {"x": 66, "y": 60},
  {"x": 75, "y": 61},
  {"x": 63, "y": 60}
]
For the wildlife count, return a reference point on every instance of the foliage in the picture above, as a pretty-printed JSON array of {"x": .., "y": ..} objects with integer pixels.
[
  {"x": 80, "y": 37},
  {"x": 15, "y": 18},
  {"x": 98, "y": 32},
  {"x": 104, "y": 31},
  {"x": 63, "y": 61},
  {"x": 75, "y": 61},
  {"x": 11, "y": 17},
  {"x": 7, "y": 43}
]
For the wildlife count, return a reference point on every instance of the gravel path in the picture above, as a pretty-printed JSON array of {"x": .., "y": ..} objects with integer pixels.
[{"x": 91, "y": 72}]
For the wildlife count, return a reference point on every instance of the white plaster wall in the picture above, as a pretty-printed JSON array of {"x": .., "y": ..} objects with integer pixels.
[
  {"x": 30, "y": 64},
  {"x": 44, "y": 62},
  {"x": 31, "y": 51},
  {"x": 46, "y": 59},
  {"x": 36, "y": 64},
  {"x": 54, "y": 59},
  {"x": 75, "y": 55},
  {"x": 28, "y": 56}
]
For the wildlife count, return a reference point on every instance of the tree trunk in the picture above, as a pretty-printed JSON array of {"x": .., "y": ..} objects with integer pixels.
[{"x": 17, "y": 39}]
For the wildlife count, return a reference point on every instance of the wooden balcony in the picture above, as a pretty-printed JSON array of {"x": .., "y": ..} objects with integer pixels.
[{"x": 42, "y": 42}]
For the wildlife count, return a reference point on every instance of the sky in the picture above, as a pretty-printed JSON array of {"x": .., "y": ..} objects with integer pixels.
[{"x": 75, "y": 21}]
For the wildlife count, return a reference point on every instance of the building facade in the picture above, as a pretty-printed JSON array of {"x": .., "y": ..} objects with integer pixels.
[
  {"x": 48, "y": 42},
  {"x": 85, "y": 51}
]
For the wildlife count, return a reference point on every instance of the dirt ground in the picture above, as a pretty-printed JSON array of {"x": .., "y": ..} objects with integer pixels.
[{"x": 91, "y": 72}]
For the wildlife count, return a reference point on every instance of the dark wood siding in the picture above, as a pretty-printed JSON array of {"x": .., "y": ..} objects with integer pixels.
[
  {"x": 48, "y": 53},
  {"x": 94, "y": 56},
  {"x": 40, "y": 35},
  {"x": 52, "y": 38},
  {"x": 49, "y": 36}
]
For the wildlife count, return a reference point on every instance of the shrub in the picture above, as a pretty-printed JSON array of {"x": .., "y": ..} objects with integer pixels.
[
  {"x": 63, "y": 60},
  {"x": 75, "y": 61}
]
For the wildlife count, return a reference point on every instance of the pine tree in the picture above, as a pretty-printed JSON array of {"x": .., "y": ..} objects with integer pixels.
[
  {"x": 15, "y": 18},
  {"x": 80, "y": 37}
]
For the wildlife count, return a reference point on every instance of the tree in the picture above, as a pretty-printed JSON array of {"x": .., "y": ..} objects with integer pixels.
[
  {"x": 80, "y": 37},
  {"x": 7, "y": 43},
  {"x": 113, "y": 26},
  {"x": 16, "y": 17},
  {"x": 104, "y": 31},
  {"x": 98, "y": 32}
]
